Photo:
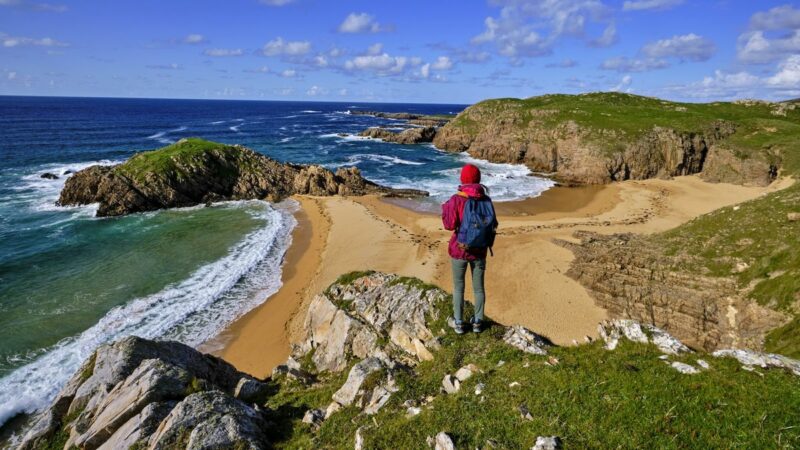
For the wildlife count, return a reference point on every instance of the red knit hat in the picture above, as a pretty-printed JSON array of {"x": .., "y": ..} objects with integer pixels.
[{"x": 470, "y": 174}]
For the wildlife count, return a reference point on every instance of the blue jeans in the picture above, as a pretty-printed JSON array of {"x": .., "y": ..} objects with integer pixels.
[{"x": 477, "y": 268}]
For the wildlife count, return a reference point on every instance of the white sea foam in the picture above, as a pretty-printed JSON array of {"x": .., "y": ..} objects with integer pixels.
[
  {"x": 506, "y": 182},
  {"x": 190, "y": 311},
  {"x": 286, "y": 139},
  {"x": 310, "y": 111},
  {"x": 40, "y": 194},
  {"x": 162, "y": 136},
  {"x": 217, "y": 122},
  {"x": 386, "y": 160},
  {"x": 235, "y": 128}
]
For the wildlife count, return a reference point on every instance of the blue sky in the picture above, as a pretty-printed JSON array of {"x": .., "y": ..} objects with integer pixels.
[{"x": 410, "y": 51}]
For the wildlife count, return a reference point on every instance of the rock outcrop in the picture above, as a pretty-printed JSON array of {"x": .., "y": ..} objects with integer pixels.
[
  {"x": 559, "y": 138},
  {"x": 154, "y": 395},
  {"x": 354, "y": 319},
  {"x": 632, "y": 279},
  {"x": 416, "y": 135},
  {"x": 193, "y": 172},
  {"x": 423, "y": 120}
]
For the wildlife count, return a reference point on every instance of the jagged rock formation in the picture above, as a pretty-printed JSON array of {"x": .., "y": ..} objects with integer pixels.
[
  {"x": 193, "y": 172},
  {"x": 416, "y": 135},
  {"x": 600, "y": 138},
  {"x": 153, "y": 395},
  {"x": 632, "y": 279}
]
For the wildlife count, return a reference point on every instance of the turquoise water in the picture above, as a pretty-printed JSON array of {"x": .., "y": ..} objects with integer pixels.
[{"x": 70, "y": 281}]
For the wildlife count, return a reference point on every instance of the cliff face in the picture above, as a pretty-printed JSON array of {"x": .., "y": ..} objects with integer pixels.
[
  {"x": 633, "y": 279},
  {"x": 195, "y": 171},
  {"x": 600, "y": 138}
]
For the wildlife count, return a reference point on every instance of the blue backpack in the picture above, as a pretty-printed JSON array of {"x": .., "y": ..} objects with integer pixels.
[{"x": 478, "y": 224}]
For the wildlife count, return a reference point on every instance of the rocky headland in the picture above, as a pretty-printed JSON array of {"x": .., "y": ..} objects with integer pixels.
[
  {"x": 194, "y": 171},
  {"x": 379, "y": 367},
  {"x": 604, "y": 137}
]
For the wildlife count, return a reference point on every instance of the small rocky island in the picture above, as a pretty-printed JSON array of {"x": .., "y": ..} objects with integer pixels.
[{"x": 195, "y": 171}]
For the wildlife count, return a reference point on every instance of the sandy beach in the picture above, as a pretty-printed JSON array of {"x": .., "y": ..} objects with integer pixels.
[{"x": 526, "y": 281}]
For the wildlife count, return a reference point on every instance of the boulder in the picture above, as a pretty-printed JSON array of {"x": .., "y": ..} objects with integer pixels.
[
  {"x": 450, "y": 384},
  {"x": 358, "y": 374},
  {"x": 466, "y": 372},
  {"x": 763, "y": 360},
  {"x": 416, "y": 135},
  {"x": 443, "y": 442},
  {"x": 684, "y": 368},
  {"x": 547, "y": 443},
  {"x": 352, "y": 318},
  {"x": 526, "y": 340},
  {"x": 612, "y": 331},
  {"x": 49, "y": 176}
]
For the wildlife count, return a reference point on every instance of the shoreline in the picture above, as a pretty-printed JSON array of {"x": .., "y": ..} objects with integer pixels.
[{"x": 330, "y": 240}]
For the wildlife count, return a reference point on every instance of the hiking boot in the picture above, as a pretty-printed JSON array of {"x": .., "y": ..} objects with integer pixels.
[
  {"x": 458, "y": 328},
  {"x": 476, "y": 327}
]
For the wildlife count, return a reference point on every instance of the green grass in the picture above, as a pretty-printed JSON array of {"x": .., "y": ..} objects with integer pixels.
[
  {"x": 593, "y": 398},
  {"x": 169, "y": 160}
]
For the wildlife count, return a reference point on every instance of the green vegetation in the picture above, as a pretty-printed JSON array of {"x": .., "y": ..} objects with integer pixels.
[
  {"x": 612, "y": 118},
  {"x": 58, "y": 440},
  {"x": 88, "y": 367},
  {"x": 590, "y": 397},
  {"x": 170, "y": 160}
]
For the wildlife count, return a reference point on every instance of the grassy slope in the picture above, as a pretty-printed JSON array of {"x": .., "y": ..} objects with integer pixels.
[
  {"x": 167, "y": 160},
  {"x": 593, "y": 398}
]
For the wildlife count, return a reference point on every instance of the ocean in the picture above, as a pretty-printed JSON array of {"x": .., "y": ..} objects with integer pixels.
[{"x": 70, "y": 282}]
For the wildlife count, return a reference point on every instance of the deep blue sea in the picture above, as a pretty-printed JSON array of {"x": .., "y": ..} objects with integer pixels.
[{"x": 70, "y": 281}]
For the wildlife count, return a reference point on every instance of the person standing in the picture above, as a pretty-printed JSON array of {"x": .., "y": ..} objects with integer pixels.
[{"x": 470, "y": 215}]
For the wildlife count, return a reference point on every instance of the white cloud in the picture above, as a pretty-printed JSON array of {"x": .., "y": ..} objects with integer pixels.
[
  {"x": 778, "y": 18},
  {"x": 788, "y": 75},
  {"x": 12, "y": 75},
  {"x": 194, "y": 39},
  {"x": 756, "y": 48},
  {"x": 42, "y": 7},
  {"x": 771, "y": 36},
  {"x": 278, "y": 47},
  {"x": 360, "y": 23},
  {"x": 283, "y": 91},
  {"x": 641, "y": 5},
  {"x": 686, "y": 47},
  {"x": 624, "y": 64},
  {"x": 425, "y": 70},
  {"x": 375, "y": 49},
  {"x": 223, "y": 52},
  {"x": 315, "y": 90},
  {"x": 382, "y": 64},
  {"x": 343, "y": 92},
  {"x": 320, "y": 61},
  {"x": 172, "y": 66},
  {"x": 531, "y": 28},
  {"x": 276, "y": 2},
  {"x": 12, "y": 41},
  {"x": 607, "y": 39},
  {"x": 262, "y": 69},
  {"x": 624, "y": 84},
  {"x": 563, "y": 64},
  {"x": 442, "y": 63},
  {"x": 289, "y": 73}
]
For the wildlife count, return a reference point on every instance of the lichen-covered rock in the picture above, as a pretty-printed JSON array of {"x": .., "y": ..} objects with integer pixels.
[
  {"x": 547, "y": 443},
  {"x": 612, "y": 331},
  {"x": 194, "y": 171},
  {"x": 764, "y": 360},
  {"x": 451, "y": 384},
  {"x": 443, "y": 442},
  {"x": 524, "y": 339},
  {"x": 358, "y": 374},
  {"x": 130, "y": 389},
  {"x": 684, "y": 368},
  {"x": 352, "y": 319},
  {"x": 210, "y": 420}
]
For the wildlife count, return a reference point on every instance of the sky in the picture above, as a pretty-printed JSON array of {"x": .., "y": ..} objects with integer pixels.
[{"x": 432, "y": 51}]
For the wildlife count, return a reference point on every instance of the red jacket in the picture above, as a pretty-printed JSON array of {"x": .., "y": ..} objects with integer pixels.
[{"x": 452, "y": 212}]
